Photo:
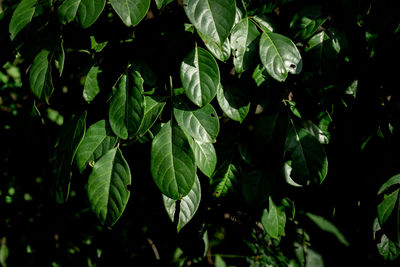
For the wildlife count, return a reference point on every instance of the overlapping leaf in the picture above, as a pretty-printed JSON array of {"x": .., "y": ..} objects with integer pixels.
[
  {"x": 131, "y": 12},
  {"x": 306, "y": 22},
  {"x": 86, "y": 11},
  {"x": 221, "y": 52},
  {"x": 205, "y": 156},
  {"x": 255, "y": 187},
  {"x": 153, "y": 108},
  {"x": 233, "y": 102}
]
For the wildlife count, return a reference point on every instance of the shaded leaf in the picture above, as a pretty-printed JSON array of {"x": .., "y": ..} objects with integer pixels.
[
  {"x": 306, "y": 22},
  {"x": 224, "y": 179},
  {"x": 131, "y": 12},
  {"x": 40, "y": 75},
  {"x": 233, "y": 102},
  {"x": 91, "y": 87},
  {"x": 153, "y": 108},
  {"x": 22, "y": 16},
  {"x": 392, "y": 181},
  {"x": 255, "y": 187},
  {"x": 386, "y": 207}
]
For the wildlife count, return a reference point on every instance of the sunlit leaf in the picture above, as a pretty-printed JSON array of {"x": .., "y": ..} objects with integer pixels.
[{"x": 131, "y": 12}]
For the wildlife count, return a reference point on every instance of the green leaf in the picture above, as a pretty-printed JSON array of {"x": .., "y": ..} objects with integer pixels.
[
  {"x": 200, "y": 76},
  {"x": 153, "y": 107},
  {"x": 244, "y": 42},
  {"x": 273, "y": 220},
  {"x": 224, "y": 179},
  {"x": 388, "y": 249},
  {"x": 172, "y": 163},
  {"x": 221, "y": 52},
  {"x": 213, "y": 18},
  {"x": 205, "y": 156},
  {"x": 202, "y": 124},
  {"x": 162, "y": 3},
  {"x": 386, "y": 207},
  {"x": 188, "y": 205},
  {"x": 306, "y": 22},
  {"x": 107, "y": 187},
  {"x": 86, "y": 11},
  {"x": 260, "y": 75},
  {"x": 309, "y": 161},
  {"x": 392, "y": 181},
  {"x": 59, "y": 55},
  {"x": 327, "y": 226},
  {"x": 233, "y": 102},
  {"x": 131, "y": 12},
  {"x": 317, "y": 41},
  {"x": 40, "y": 75},
  {"x": 255, "y": 187},
  {"x": 279, "y": 55},
  {"x": 127, "y": 105},
  {"x": 22, "y": 16},
  {"x": 98, "y": 47},
  {"x": 219, "y": 262},
  {"x": 98, "y": 140},
  {"x": 315, "y": 131},
  {"x": 264, "y": 23},
  {"x": 91, "y": 87}
]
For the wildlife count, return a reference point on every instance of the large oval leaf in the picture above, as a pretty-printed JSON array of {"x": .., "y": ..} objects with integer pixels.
[
  {"x": 205, "y": 156},
  {"x": 131, "y": 12},
  {"x": 153, "y": 108},
  {"x": 98, "y": 140},
  {"x": 244, "y": 41},
  {"x": 200, "y": 76},
  {"x": 107, "y": 187},
  {"x": 22, "y": 16},
  {"x": 279, "y": 55},
  {"x": 188, "y": 205},
  {"x": 127, "y": 105},
  {"x": 86, "y": 11},
  {"x": 202, "y": 124},
  {"x": 213, "y": 18},
  {"x": 172, "y": 162},
  {"x": 233, "y": 102},
  {"x": 40, "y": 75}
]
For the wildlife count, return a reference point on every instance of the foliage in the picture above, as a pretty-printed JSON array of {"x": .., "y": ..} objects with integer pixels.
[{"x": 199, "y": 132}]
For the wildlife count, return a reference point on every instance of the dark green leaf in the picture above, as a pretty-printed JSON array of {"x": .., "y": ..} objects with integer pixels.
[
  {"x": 279, "y": 55},
  {"x": 386, "y": 207},
  {"x": 60, "y": 57},
  {"x": 233, "y": 102},
  {"x": 224, "y": 179},
  {"x": 306, "y": 22},
  {"x": 98, "y": 140},
  {"x": 317, "y": 41},
  {"x": 255, "y": 187},
  {"x": 200, "y": 76},
  {"x": 205, "y": 156},
  {"x": 153, "y": 108},
  {"x": 40, "y": 74},
  {"x": 91, "y": 87},
  {"x": 86, "y": 11},
  {"x": 107, "y": 187},
  {"x": 162, "y": 3},
  {"x": 131, "y": 12},
  {"x": 315, "y": 131},
  {"x": 392, "y": 181},
  {"x": 172, "y": 163},
  {"x": 22, "y": 16},
  {"x": 188, "y": 205}
]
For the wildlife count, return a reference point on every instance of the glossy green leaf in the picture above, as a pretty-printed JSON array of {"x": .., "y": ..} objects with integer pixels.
[
  {"x": 131, "y": 12},
  {"x": 317, "y": 41},
  {"x": 306, "y": 22},
  {"x": 244, "y": 42},
  {"x": 127, "y": 105},
  {"x": 200, "y": 76},
  {"x": 107, "y": 187},
  {"x": 309, "y": 161},
  {"x": 153, "y": 107},
  {"x": 317, "y": 132},
  {"x": 213, "y": 18},
  {"x": 395, "y": 180},
  {"x": 98, "y": 140},
  {"x": 188, "y": 205},
  {"x": 91, "y": 87},
  {"x": 264, "y": 23},
  {"x": 172, "y": 163},
  {"x": 205, "y": 156},
  {"x": 386, "y": 207},
  {"x": 202, "y": 124},
  {"x": 220, "y": 52},
  {"x": 327, "y": 226},
  {"x": 40, "y": 75},
  {"x": 255, "y": 187},
  {"x": 279, "y": 55},
  {"x": 274, "y": 220},
  {"x": 224, "y": 179},
  {"x": 22, "y": 16},
  {"x": 233, "y": 102},
  {"x": 86, "y": 11}
]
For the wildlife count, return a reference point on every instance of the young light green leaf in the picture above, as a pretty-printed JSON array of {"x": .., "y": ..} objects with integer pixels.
[
  {"x": 224, "y": 179},
  {"x": 188, "y": 205},
  {"x": 153, "y": 108},
  {"x": 86, "y": 11},
  {"x": 22, "y": 16},
  {"x": 40, "y": 74},
  {"x": 244, "y": 41},
  {"x": 172, "y": 163},
  {"x": 213, "y": 18},
  {"x": 98, "y": 140},
  {"x": 131, "y": 12},
  {"x": 273, "y": 220},
  {"x": 98, "y": 47},
  {"x": 327, "y": 226},
  {"x": 392, "y": 181},
  {"x": 309, "y": 161},
  {"x": 200, "y": 76},
  {"x": 255, "y": 187},
  {"x": 306, "y": 22},
  {"x": 127, "y": 105},
  {"x": 386, "y": 207},
  {"x": 91, "y": 87},
  {"x": 107, "y": 187},
  {"x": 205, "y": 156},
  {"x": 221, "y": 52},
  {"x": 279, "y": 55},
  {"x": 202, "y": 124},
  {"x": 233, "y": 102}
]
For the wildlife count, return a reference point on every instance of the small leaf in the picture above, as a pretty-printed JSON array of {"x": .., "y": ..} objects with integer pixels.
[
  {"x": 162, "y": 3},
  {"x": 107, "y": 187},
  {"x": 127, "y": 105},
  {"x": 233, "y": 102},
  {"x": 40, "y": 75},
  {"x": 200, "y": 76},
  {"x": 317, "y": 42},
  {"x": 98, "y": 47},
  {"x": 22, "y": 16},
  {"x": 131, "y": 12},
  {"x": 224, "y": 179},
  {"x": 98, "y": 140},
  {"x": 172, "y": 163},
  {"x": 244, "y": 42},
  {"x": 202, "y": 124},
  {"x": 205, "y": 156},
  {"x": 279, "y": 55},
  {"x": 213, "y": 18},
  {"x": 91, "y": 87},
  {"x": 153, "y": 108},
  {"x": 273, "y": 220},
  {"x": 188, "y": 205},
  {"x": 260, "y": 75},
  {"x": 392, "y": 181},
  {"x": 59, "y": 55},
  {"x": 386, "y": 207},
  {"x": 306, "y": 22},
  {"x": 86, "y": 11}
]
